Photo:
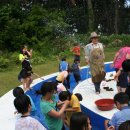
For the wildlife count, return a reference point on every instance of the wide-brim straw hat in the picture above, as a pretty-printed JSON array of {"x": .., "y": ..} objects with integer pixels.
[{"x": 94, "y": 35}]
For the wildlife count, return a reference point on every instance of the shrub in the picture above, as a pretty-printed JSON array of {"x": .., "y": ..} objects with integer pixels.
[
  {"x": 37, "y": 58},
  {"x": 14, "y": 58},
  {"x": 4, "y": 63}
]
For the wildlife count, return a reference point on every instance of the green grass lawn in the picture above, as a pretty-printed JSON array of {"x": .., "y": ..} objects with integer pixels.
[{"x": 8, "y": 79}]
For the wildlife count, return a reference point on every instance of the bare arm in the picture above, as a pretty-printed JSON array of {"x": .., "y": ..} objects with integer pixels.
[
  {"x": 56, "y": 114},
  {"x": 29, "y": 53},
  {"x": 59, "y": 104},
  {"x": 89, "y": 124},
  {"x": 71, "y": 109},
  {"x": 103, "y": 51},
  {"x": 117, "y": 74},
  {"x": 87, "y": 55},
  {"x": 106, "y": 124},
  {"x": 128, "y": 56},
  {"x": 108, "y": 127},
  {"x": 112, "y": 65},
  {"x": 111, "y": 128}
]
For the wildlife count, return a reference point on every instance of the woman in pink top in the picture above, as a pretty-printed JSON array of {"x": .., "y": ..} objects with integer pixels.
[{"x": 121, "y": 55}]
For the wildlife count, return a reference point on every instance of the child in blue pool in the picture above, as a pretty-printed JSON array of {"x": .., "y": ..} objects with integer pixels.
[{"x": 76, "y": 71}]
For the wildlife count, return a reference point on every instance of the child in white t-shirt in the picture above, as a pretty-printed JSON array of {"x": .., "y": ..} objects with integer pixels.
[{"x": 26, "y": 122}]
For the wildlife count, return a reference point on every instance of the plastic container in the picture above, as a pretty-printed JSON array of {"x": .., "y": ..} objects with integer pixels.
[{"x": 105, "y": 104}]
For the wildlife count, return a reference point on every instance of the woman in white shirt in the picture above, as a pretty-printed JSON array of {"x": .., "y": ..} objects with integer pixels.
[{"x": 95, "y": 58}]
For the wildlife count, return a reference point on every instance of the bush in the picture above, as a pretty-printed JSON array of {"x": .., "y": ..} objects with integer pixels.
[
  {"x": 4, "y": 63},
  {"x": 37, "y": 58},
  {"x": 14, "y": 58},
  {"x": 118, "y": 40}
]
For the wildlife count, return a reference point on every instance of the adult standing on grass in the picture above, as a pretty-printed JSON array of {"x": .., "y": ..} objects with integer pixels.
[
  {"x": 95, "y": 58},
  {"x": 121, "y": 55}
]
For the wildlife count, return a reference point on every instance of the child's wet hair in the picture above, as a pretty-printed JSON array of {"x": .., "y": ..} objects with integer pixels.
[
  {"x": 125, "y": 125},
  {"x": 21, "y": 49},
  {"x": 79, "y": 96},
  {"x": 63, "y": 59},
  {"x": 54, "y": 84},
  {"x": 45, "y": 88},
  {"x": 65, "y": 95},
  {"x": 76, "y": 61},
  {"x": 18, "y": 91},
  {"x": 122, "y": 98},
  {"x": 78, "y": 121},
  {"x": 22, "y": 103}
]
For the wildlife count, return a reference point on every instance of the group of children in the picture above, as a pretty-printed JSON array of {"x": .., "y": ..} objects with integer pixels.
[
  {"x": 56, "y": 113},
  {"x": 65, "y": 70},
  {"x": 66, "y": 111}
]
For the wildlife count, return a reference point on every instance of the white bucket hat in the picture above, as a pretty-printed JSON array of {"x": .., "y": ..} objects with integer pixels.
[{"x": 94, "y": 35}]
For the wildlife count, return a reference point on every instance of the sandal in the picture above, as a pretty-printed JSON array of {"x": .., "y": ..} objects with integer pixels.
[
  {"x": 111, "y": 75},
  {"x": 109, "y": 89},
  {"x": 109, "y": 80},
  {"x": 105, "y": 87}
]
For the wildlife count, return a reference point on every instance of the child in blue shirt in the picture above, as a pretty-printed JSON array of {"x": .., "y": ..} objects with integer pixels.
[
  {"x": 121, "y": 100},
  {"x": 63, "y": 66}
]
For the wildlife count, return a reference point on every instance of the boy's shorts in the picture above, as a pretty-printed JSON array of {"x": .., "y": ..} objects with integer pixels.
[
  {"x": 122, "y": 79},
  {"x": 77, "y": 57},
  {"x": 77, "y": 77}
]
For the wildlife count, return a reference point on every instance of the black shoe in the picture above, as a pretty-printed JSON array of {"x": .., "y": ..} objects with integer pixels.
[
  {"x": 105, "y": 87},
  {"x": 109, "y": 89}
]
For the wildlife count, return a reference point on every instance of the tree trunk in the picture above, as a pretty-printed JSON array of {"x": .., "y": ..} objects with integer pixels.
[
  {"x": 116, "y": 16},
  {"x": 73, "y": 2},
  {"x": 90, "y": 15}
]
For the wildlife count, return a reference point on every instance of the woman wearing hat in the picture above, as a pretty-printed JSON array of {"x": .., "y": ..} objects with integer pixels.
[{"x": 95, "y": 58}]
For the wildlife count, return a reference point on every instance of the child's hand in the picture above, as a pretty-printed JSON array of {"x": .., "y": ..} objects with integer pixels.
[
  {"x": 67, "y": 102},
  {"x": 66, "y": 123},
  {"x": 31, "y": 50},
  {"x": 15, "y": 112},
  {"x": 116, "y": 77},
  {"x": 111, "y": 128},
  {"x": 112, "y": 65},
  {"x": 87, "y": 62}
]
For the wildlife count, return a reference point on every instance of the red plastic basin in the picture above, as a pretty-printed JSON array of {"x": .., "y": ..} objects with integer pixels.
[{"x": 105, "y": 104}]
